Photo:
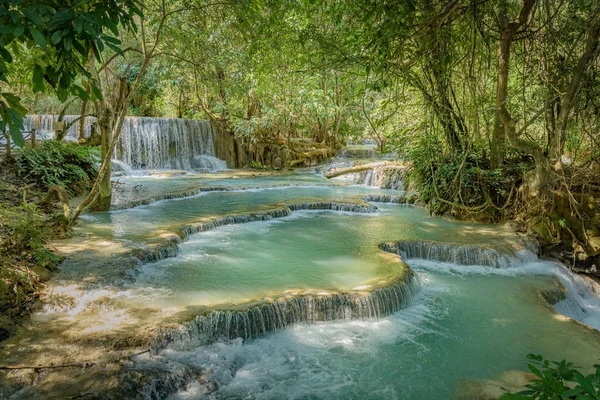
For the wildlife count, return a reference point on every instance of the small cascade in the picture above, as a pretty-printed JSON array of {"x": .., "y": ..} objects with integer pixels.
[
  {"x": 205, "y": 163},
  {"x": 386, "y": 198},
  {"x": 326, "y": 205},
  {"x": 384, "y": 177},
  {"x": 365, "y": 152},
  {"x": 581, "y": 301},
  {"x": 170, "y": 248},
  {"x": 258, "y": 320},
  {"x": 460, "y": 254}
]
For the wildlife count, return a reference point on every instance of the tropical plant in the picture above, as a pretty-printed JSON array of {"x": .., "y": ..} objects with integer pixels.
[
  {"x": 69, "y": 165},
  {"x": 558, "y": 380}
]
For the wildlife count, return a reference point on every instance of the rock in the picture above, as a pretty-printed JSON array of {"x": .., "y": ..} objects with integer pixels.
[
  {"x": 593, "y": 246},
  {"x": 169, "y": 174},
  {"x": 492, "y": 389}
]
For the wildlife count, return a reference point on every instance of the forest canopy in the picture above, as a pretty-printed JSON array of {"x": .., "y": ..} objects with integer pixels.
[{"x": 484, "y": 98}]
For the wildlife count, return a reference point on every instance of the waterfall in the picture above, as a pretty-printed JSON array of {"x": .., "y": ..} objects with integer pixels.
[
  {"x": 163, "y": 143},
  {"x": 258, "y": 319},
  {"x": 357, "y": 153},
  {"x": 582, "y": 301},
  {"x": 44, "y": 126},
  {"x": 577, "y": 296},
  {"x": 460, "y": 254},
  {"x": 384, "y": 177},
  {"x": 147, "y": 143},
  {"x": 206, "y": 163}
]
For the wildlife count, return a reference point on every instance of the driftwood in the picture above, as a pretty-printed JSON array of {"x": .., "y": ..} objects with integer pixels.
[
  {"x": 351, "y": 170},
  {"x": 63, "y": 197}
]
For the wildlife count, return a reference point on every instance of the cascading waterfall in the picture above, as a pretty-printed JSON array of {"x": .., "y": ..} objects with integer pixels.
[
  {"x": 357, "y": 153},
  {"x": 461, "y": 254},
  {"x": 385, "y": 177},
  {"x": 580, "y": 300},
  {"x": 44, "y": 126},
  {"x": 147, "y": 143},
  {"x": 261, "y": 319},
  {"x": 164, "y": 143}
]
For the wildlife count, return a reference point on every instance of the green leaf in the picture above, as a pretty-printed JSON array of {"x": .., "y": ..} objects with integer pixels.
[
  {"x": 19, "y": 30},
  {"x": 5, "y": 54},
  {"x": 78, "y": 25},
  {"x": 32, "y": 15},
  {"x": 38, "y": 79},
  {"x": 38, "y": 37},
  {"x": 535, "y": 370},
  {"x": 96, "y": 91},
  {"x": 56, "y": 36}
]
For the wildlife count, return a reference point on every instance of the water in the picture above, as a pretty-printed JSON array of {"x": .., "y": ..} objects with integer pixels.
[
  {"x": 146, "y": 143},
  {"x": 44, "y": 126},
  {"x": 146, "y": 222},
  {"x": 164, "y": 143},
  {"x": 297, "y": 306},
  {"x": 458, "y": 327},
  {"x": 466, "y": 322}
]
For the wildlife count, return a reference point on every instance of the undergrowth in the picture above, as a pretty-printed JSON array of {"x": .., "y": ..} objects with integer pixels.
[
  {"x": 465, "y": 185},
  {"x": 52, "y": 163}
]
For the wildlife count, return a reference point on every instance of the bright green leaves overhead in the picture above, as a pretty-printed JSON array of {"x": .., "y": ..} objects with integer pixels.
[
  {"x": 66, "y": 32},
  {"x": 12, "y": 113}
]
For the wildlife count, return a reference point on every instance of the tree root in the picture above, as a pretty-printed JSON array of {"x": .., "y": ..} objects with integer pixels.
[{"x": 62, "y": 196}]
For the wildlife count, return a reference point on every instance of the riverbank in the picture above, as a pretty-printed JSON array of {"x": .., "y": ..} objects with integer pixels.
[{"x": 26, "y": 260}]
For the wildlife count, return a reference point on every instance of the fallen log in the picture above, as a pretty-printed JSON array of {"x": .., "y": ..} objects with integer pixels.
[{"x": 358, "y": 168}]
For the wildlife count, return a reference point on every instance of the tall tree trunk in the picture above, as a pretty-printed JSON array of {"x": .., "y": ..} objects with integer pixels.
[
  {"x": 542, "y": 171},
  {"x": 558, "y": 136},
  {"x": 499, "y": 133},
  {"x": 81, "y": 128},
  {"x": 104, "y": 197}
]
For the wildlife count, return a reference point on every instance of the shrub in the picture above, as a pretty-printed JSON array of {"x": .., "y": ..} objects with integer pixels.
[
  {"x": 558, "y": 380},
  {"x": 53, "y": 163}
]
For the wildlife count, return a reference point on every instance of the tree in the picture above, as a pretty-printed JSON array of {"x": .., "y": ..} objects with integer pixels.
[{"x": 64, "y": 36}]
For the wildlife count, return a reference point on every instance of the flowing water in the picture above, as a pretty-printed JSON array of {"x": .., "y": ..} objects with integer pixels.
[
  {"x": 300, "y": 291},
  {"x": 261, "y": 290},
  {"x": 146, "y": 143}
]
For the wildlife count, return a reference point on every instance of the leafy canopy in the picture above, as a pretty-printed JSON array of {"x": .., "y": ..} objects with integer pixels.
[{"x": 65, "y": 34}]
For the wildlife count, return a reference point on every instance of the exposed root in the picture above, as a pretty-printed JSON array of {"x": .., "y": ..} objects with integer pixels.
[{"x": 63, "y": 197}]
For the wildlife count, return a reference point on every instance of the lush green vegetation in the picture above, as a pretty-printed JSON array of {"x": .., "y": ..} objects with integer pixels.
[
  {"x": 558, "y": 380},
  {"x": 56, "y": 163}
]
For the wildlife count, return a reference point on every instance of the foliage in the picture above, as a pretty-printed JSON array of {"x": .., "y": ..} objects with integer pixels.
[
  {"x": 62, "y": 35},
  {"x": 558, "y": 380},
  {"x": 55, "y": 163},
  {"x": 22, "y": 232},
  {"x": 466, "y": 181}
]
